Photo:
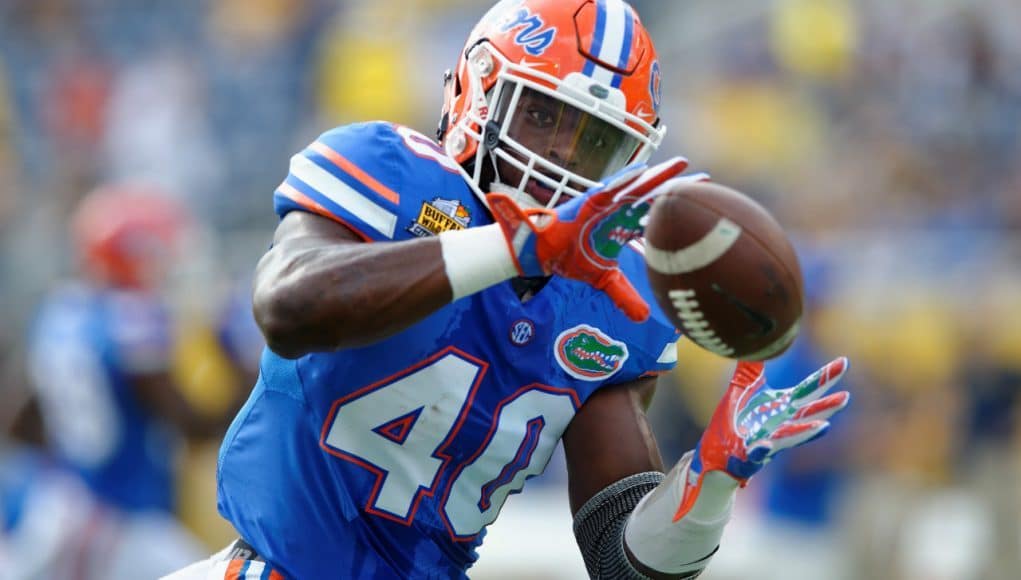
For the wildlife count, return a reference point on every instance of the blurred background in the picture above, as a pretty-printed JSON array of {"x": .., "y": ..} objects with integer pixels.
[{"x": 883, "y": 135}]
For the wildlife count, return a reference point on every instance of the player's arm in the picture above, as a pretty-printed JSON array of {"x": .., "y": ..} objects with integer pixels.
[
  {"x": 21, "y": 419},
  {"x": 21, "y": 416},
  {"x": 631, "y": 520},
  {"x": 320, "y": 288},
  {"x": 612, "y": 463},
  {"x": 610, "y": 439}
]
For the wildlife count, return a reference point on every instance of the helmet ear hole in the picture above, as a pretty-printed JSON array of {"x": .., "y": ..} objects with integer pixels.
[{"x": 492, "y": 135}]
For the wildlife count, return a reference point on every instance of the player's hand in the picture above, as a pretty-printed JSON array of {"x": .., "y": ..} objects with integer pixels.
[
  {"x": 753, "y": 422},
  {"x": 582, "y": 238}
]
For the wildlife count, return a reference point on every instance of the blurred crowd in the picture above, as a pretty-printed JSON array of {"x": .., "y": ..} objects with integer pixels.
[{"x": 883, "y": 135}]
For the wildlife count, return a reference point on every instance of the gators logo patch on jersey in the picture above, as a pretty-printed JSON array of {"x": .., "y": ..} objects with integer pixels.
[
  {"x": 587, "y": 353},
  {"x": 438, "y": 216}
]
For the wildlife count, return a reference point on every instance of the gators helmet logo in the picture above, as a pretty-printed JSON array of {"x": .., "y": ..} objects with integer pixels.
[{"x": 587, "y": 353}]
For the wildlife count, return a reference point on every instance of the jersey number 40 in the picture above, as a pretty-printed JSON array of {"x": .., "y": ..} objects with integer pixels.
[{"x": 400, "y": 428}]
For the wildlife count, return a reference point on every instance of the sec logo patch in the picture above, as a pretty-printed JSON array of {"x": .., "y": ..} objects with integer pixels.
[{"x": 522, "y": 332}]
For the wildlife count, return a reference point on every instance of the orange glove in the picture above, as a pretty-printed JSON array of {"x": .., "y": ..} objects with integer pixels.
[
  {"x": 582, "y": 238},
  {"x": 754, "y": 422}
]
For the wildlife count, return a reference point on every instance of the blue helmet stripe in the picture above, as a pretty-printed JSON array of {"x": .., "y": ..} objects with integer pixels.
[
  {"x": 625, "y": 52},
  {"x": 597, "y": 41}
]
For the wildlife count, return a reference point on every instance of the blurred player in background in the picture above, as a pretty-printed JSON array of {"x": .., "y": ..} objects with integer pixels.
[
  {"x": 100, "y": 358},
  {"x": 439, "y": 317}
]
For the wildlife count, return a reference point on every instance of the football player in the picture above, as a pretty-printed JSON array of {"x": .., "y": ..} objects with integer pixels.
[
  {"x": 99, "y": 360},
  {"x": 438, "y": 317}
]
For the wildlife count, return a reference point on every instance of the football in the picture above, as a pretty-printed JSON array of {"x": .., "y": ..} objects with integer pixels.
[{"x": 722, "y": 268}]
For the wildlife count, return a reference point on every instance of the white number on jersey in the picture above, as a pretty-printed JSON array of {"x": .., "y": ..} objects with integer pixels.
[
  {"x": 398, "y": 429},
  {"x": 508, "y": 459}
]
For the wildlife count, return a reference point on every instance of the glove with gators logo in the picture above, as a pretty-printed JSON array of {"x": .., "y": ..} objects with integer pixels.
[
  {"x": 582, "y": 238},
  {"x": 754, "y": 422},
  {"x": 676, "y": 528}
]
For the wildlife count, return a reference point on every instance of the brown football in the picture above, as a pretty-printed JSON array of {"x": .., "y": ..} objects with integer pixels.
[{"x": 724, "y": 271}]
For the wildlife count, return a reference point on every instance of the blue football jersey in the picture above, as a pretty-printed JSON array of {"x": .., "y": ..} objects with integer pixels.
[
  {"x": 389, "y": 460},
  {"x": 85, "y": 345}
]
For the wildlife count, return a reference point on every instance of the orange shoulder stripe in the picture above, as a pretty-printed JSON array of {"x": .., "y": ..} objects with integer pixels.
[
  {"x": 355, "y": 171},
  {"x": 303, "y": 200},
  {"x": 313, "y": 206}
]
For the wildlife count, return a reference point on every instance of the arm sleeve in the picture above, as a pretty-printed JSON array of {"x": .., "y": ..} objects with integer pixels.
[
  {"x": 686, "y": 546},
  {"x": 599, "y": 526},
  {"x": 632, "y": 520}
]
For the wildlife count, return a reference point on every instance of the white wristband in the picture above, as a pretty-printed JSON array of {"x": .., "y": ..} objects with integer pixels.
[
  {"x": 476, "y": 258},
  {"x": 672, "y": 548}
]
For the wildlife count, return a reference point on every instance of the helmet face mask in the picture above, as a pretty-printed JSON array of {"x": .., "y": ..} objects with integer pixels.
[
  {"x": 564, "y": 135},
  {"x": 545, "y": 122},
  {"x": 546, "y": 142}
]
